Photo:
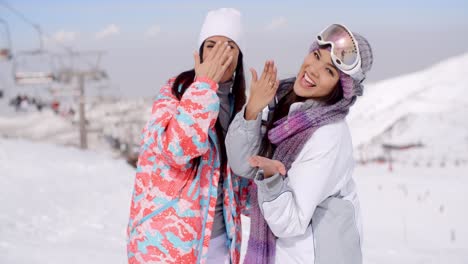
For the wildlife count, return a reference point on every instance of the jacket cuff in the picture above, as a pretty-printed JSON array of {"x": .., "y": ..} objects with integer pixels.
[
  {"x": 213, "y": 85},
  {"x": 250, "y": 125},
  {"x": 269, "y": 188}
]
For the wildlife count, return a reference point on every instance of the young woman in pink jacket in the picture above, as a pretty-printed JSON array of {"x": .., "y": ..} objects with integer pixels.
[{"x": 187, "y": 203}]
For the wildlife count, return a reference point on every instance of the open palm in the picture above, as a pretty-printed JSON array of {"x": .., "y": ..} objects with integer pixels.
[{"x": 270, "y": 167}]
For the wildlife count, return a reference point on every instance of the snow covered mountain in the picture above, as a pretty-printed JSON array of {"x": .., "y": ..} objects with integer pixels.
[{"x": 429, "y": 108}]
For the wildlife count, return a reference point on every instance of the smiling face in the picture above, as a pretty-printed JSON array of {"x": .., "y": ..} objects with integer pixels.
[
  {"x": 317, "y": 77},
  {"x": 234, "y": 51}
]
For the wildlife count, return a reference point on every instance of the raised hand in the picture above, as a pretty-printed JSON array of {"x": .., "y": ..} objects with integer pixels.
[
  {"x": 215, "y": 63},
  {"x": 262, "y": 90},
  {"x": 270, "y": 167}
]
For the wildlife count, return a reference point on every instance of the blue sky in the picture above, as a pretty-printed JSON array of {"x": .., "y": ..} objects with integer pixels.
[
  {"x": 148, "y": 41},
  {"x": 86, "y": 15}
]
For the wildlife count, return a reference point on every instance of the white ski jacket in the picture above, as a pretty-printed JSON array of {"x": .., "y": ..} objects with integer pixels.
[{"x": 314, "y": 211}]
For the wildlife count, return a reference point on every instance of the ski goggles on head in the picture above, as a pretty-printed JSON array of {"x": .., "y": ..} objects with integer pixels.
[{"x": 344, "y": 49}]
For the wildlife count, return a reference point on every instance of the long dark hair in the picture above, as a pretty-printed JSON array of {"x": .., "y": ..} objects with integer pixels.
[
  {"x": 185, "y": 79},
  {"x": 281, "y": 110}
]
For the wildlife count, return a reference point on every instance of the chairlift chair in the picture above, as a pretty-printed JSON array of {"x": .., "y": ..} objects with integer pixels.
[{"x": 33, "y": 67}]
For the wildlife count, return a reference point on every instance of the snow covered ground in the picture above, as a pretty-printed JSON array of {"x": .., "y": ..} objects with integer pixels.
[
  {"x": 62, "y": 205},
  {"x": 414, "y": 215}
]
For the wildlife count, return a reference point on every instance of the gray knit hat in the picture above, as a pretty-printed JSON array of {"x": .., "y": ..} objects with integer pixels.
[{"x": 350, "y": 86}]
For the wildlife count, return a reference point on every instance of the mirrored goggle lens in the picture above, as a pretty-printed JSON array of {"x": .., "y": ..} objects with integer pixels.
[{"x": 344, "y": 46}]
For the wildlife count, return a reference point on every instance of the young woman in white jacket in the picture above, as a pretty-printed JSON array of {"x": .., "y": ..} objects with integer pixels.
[{"x": 299, "y": 151}]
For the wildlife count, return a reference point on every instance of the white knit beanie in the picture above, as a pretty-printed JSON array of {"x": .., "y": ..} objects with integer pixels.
[{"x": 222, "y": 22}]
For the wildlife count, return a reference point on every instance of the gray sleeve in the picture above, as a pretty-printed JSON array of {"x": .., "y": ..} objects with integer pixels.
[
  {"x": 243, "y": 140},
  {"x": 270, "y": 188}
]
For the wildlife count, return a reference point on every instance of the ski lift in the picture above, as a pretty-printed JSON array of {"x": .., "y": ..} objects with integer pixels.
[
  {"x": 5, "y": 41},
  {"x": 64, "y": 73},
  {"x": 99, "y": 75},
  {"x": 84, "y": 62},
  {"x": 33, "y": 67}
]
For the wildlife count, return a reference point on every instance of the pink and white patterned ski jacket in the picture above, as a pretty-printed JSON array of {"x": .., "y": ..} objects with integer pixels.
[{"x": 173, "y": 203}]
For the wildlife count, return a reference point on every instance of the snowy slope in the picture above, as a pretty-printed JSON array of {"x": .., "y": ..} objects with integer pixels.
[
  {"x": 428, "y": 106},
  {"x": 123, "y": 119},
  {"x": 444, "y": 139},
  {"x": 62, "y": 205},
  {"x": 414, "y": 215}
]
